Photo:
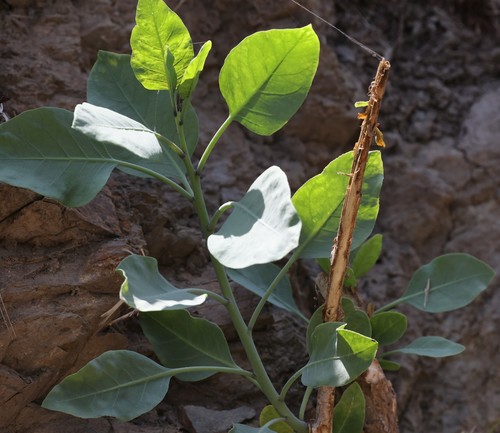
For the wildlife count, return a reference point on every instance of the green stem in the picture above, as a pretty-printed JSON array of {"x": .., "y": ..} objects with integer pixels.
[
  {"x": 294, "y": 377},
  {"x": 391, "y": 305},
  {"x": 211, "y": 145},
  {"x": 305, "y": 400},
  {"x": 224, "y": 208},
  {"x": 171, "y": 145}
]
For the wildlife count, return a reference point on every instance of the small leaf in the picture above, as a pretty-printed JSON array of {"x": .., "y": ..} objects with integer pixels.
[
  {"x": 263, "y": 226},
  {"x": 258, "y": 278},
  {"x": 389, "y": 365},
  {"x": 315, "y": 320},
  {"x": 180, "y": 340},
  {"x": 349, "y": 412},
  {"x": 356, "y": 320},
  {"x": 264, "y": 91},
  {"x": 366, "y": 256},
  {"x": 193, "y": 71},
  {"x": 319, "y": 205},
  {"x": 157, "y": 27},
  {"x": 388, "y": 327},
  {"x": 146, "y": 290},
  {"x": 432, "y": 346},
  {"x": 447, "y": 283},
  {"x": 119, "y": 383},
  {"x": 268, "y": 414},
  {"x": 338, "y": 356}
]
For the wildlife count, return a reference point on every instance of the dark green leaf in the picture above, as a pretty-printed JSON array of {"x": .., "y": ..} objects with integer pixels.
[
  {"x": 366, "y": 256},
  {"x": 263, "y": 226},
  {"x": 315, "y": 320},
  {"x": 264, "y": 91},
  {"x": 145, "y": 288},
  {"x": 349, "y": 412},
  {"x": 388, "y": 327},
  {"x": 389, "y": 365},
  {"x": 180, "y": 340},
  {"x": 357, "y": 320},
  {"x": 432, "y": 346},
  {"x": 119, "y": 383}
]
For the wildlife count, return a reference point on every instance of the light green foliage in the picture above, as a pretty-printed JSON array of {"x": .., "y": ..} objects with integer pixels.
[
  {"x": 193, "y": 71},
  {"x": 268, "y": 414},
  {"x": 349, "y": 413}
]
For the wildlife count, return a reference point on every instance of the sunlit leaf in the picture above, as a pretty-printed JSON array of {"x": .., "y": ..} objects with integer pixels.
[
  {"x": 192, "y": 73},
  {"x": 145, "y": 288},
  {"x": 263, "y": 226},
  {"x": 119, "y": 383},
  {"x": 349, "y": 412},
  {"x": 432, "y": 346},
  {"x": 268, "y": 414},
  {"x": 267, "y": 76}
]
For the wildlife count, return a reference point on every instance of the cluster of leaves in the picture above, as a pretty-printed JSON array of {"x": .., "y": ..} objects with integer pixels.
[{"x": 139, "y": 119}]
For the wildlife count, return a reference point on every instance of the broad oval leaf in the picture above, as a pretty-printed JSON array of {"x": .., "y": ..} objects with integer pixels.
[
  {"x": 432, "y": 346},
  {"x": 266, "y": 77},
  {"x": 338, "y": 356},
  {"x": 319, "y": 205},
  {"x": 349, "y": 412},
  {"x": 157, "y": 27},
  {"x": 146, "y": 290},
  {"x": 193, "y": 71},
  {"x": 263, "y": 226},
  {"x": 40, "y": 151},
  {"x": 388, "y": 327},
  {"x": 447, "y": 283},
  {"x": 268, "y": 414},
  {"x": 258, "y": 278},
  {"x": 356, "y": 320},
  {"x": 180, "y": 340},
  {"x": 119, "y": 383},
  {"x": 366, "y": 256}
]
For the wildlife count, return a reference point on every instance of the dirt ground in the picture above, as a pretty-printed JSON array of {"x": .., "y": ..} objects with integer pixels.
[{"x": 441, "y": 119}]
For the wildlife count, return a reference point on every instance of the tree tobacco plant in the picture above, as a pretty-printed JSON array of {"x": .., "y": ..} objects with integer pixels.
[{"x": 138, "y": 118}]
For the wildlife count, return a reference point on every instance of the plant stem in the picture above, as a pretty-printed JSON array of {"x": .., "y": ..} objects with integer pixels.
[
  {"x": 211, "y": 145},
  {"x": 223, "y": 208},
  {"x": 305, "y": 400}
]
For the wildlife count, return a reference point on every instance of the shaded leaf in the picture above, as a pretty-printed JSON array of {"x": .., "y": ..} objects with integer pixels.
[
  {"x": 315, "y": 320},
  {"x": 258, "y": 278},
  {"x": 158, "y": 27},
  {"x": 146, "y": 290},
  {"x": 389, "y": 365},
  {"x": 356, "y": 320},
  {"x": 264, "y": 91},
  {"x": 432, "y": 346},
  {"x": 193, "y": 71},
  {"x": 319, "y": 205},
  {"x": 388, "y": 327},
  {"x": 349, "y": 412},
  {"x": 180, "y": 340},
  {"x": 366, "y": 256},
  {"x": 263, "y": 226},
  {"x": 268, "y": 414},
  {"x": 338, "y": 356},
  {"x": 118, "y": 383}
]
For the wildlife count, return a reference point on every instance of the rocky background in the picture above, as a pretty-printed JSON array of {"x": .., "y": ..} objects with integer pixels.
[{"x": 441, "y": 119}]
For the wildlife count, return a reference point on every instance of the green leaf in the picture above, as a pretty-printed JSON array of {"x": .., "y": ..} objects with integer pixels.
[
  {"x": 388, "y": 327},
  {"x": 193, "y": 71},
  {"x": 338, "y": 356},
  {"x": 180, "y": 340},
  {"x": 432, "y": 346},
  {"x": 263, "y": 226},
  {"x": 319, "y": 205},
  {"x": 119, "y": 383},
  {"x": 315, "y": 320},
  {"x": 112, "y": 84},
  {"x": 389, "y": 365},
  {"x": 258, "y": 278},
  {"x": 268, "y": 414},
  {"x": 40, "y": 151},
  {"x": 266, "y": 78},
  {"x": 447, "y": 283},
  {"x": 146, "y": 290},
  {"x": 349, "y": 412},
  {"x": 366, "y": 256},
  {"x": 242, "y": 428},
  {"x": 157, "y": 27},
  {"x": 356, "y": 320}
]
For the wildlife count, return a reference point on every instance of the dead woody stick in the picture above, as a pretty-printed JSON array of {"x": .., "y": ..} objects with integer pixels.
[{"x": 342, "y": 243}]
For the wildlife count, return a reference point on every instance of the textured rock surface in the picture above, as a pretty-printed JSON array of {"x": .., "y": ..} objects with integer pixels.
[{"x": 440, "y": 118}]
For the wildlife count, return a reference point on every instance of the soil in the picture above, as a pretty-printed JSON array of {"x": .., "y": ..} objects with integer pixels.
[{"x": 441, "y": 119}]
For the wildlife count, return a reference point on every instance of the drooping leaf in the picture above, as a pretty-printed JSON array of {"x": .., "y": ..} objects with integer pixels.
[
  {"x": 112, "y": 84},
  {"x": 338, "y": 356},
  {"x": 119, "y": 383},
  {"x": 432, "y": 346},
  {"x": 157, "y": 27},
  {"x": 268, "y": 414},
  {"x": 193, "y": 71},
  {"x": 180, "y": 340},
  {"x": 40, "y": 151},
  {"x": 349, "y": 412},
  {"x": 356, "y": 320},
  {"x": 263, "y": 226},
  {"x": 266, "y": 78},
  {"x": 319, "y": 205},
  {"x": 146, "y": 290},
  {"x": 258, "y": 278},
  {"x": 242, "y": 428},
  {"x": 366, "y": 256},
  {"x": 388, "y": 327},
  {"x": 447, "y": 283}
]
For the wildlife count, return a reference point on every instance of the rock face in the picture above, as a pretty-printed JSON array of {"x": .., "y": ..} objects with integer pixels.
[{"x": 441, "y": 122}]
